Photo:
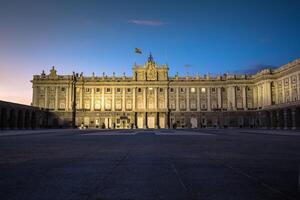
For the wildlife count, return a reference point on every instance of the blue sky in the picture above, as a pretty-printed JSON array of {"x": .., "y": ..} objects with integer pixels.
[{"x": 100, "y": 36}]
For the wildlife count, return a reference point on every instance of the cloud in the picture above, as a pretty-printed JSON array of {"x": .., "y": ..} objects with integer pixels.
[
  {"x": 254, "y": 69},
  {"x": 147, "y": 22}
]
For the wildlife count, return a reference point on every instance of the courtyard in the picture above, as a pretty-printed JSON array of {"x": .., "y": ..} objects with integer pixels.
[{"x": 150, "y": 164}]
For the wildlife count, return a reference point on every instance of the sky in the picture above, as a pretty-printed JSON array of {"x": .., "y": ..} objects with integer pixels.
[{"x": 203, "y": 36}]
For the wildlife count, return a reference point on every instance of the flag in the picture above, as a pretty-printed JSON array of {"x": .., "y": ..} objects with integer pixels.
[{"x": 137, "y": 50}]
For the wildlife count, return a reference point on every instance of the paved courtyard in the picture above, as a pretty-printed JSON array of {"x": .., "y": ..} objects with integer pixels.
[{"x": 223, "y": 164}]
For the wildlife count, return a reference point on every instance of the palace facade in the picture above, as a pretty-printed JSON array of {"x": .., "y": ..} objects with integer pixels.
[{"x": 150, "y": 98}]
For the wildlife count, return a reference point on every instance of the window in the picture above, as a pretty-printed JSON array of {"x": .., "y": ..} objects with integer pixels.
[
  {"x": 128, "y": 90},
  {"x": 62, "y": 89},
  {"x": 118, "y": 90},
  {"x": 98, "y": 90},
  {"x": 87, "y": 90},
  {"x": 203, "y": 90},
  {"x": 139, "y": 89},
  {"x": 172, "y": 90},
  {"x": 193, "y": 90},
  {"x": 182, "y": 90},
  {"x": 213, "y": 90},
  {"x": 161, "y": 89},
  {"x": 108, "y": 90}
]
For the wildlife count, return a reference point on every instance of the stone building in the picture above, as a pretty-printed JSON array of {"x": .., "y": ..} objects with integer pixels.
[
  {"x": 150, "y": 98},
  {"x": 18, "y": 116}
]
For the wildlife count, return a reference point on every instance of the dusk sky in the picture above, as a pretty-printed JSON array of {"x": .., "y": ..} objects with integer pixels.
[{"x": 211, "y": 37}]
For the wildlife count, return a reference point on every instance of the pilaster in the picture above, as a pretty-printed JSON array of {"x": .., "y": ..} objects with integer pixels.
[
  {"x": 177, "y": 98},
  {"x": 219, "y": 97},
  {"x": 102, "y": 99},
  {"x": 123, "y": 99},
  {"x": 56, "y": 98},
  {"x": 198, "y": 99},
  {"x": 244, "y": 90},
  {"x": 92, "y": 99},
  {"x": 133, "y": 99},
  {"x": 188, "y": 99},
  {"x": 145, "y": 97},
  {"x": 46, "y": 97},
  {"x": 208, "y": 99},
  {"x": 113, "y": 99}
]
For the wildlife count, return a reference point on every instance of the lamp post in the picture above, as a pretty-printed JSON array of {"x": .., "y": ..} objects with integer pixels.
[{"x": 74, "y": 81}]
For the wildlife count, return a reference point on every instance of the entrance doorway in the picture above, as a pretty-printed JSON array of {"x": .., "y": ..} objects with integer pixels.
[
  {"x": 194, "y": 122},
  {"x": 107, "y": 122}
]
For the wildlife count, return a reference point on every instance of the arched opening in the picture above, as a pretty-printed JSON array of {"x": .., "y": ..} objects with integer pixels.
[
  {"x": 33, "y": 120},
  {"x": 27, "y": 119},
  {"x": 12, "y": 119},
  {"x": 3, "y": 118},
  {"x": 274, "y": 119},
  {"x": 280, "y": 118},
  {"x": 267, "y": 119},
  {"x": 55, "y": 123},
  {"x": 288, "y": 118},
  {"x": 20, "y": 122},
  {"x": 297, "y": 118}
]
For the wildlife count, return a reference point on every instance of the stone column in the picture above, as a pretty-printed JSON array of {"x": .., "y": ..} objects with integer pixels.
[
  {"x": 278, "y": 119},
  {"x": 283, "y": 91},
  {"x": 113, "y": 99},
  {"x": 290, "y": 89},
  {"x": 244, "y": 88},
  {"x": 188, "y": 99},
  {"x": 231, "y": 98},
  {"x": 93, "y": 99},
  {"x": 198, "y": 99},
  {"x": 177, "y": 98},
  {"x": 285, "y": 118},
  {"x": 81, "y": 98},
  {"x": 219, "y": 97},
  {"x": 56, "y": 98},
  {"x": 277, "y": 92},
  {"x": 46, "y": 97},
  {"x": 67, "y": 99},
  {"x": 166, "y": 98},
  {"x": 208, "y": 99},
  {"x": 267, "y": 93},
  {"x": 294, "y": 122},
  {"x": 145, "y": 98},
  {"x": 71, "y": 91},
  {"x": 133, "y": 99},
  {"x": 272, "y": 122},
  {"x": 123, "y": 99},
  {"x": 102, "y": 99},
  {"x": 155, "y": 98},
  {"x": 259, "y": 95}
]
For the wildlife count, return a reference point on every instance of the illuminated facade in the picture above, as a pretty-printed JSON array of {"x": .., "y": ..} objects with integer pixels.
[{"x": 151, "y": 99}]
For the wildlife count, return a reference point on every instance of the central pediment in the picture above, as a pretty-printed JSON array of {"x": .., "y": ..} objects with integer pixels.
[{"x": 150, "y": 71}]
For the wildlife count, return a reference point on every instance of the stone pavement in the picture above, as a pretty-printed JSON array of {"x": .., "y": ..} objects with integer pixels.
[{"x": 150, "y": 164}]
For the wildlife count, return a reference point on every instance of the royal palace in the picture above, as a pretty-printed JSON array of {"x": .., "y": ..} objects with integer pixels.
[{"x": 150, "y": 98}]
